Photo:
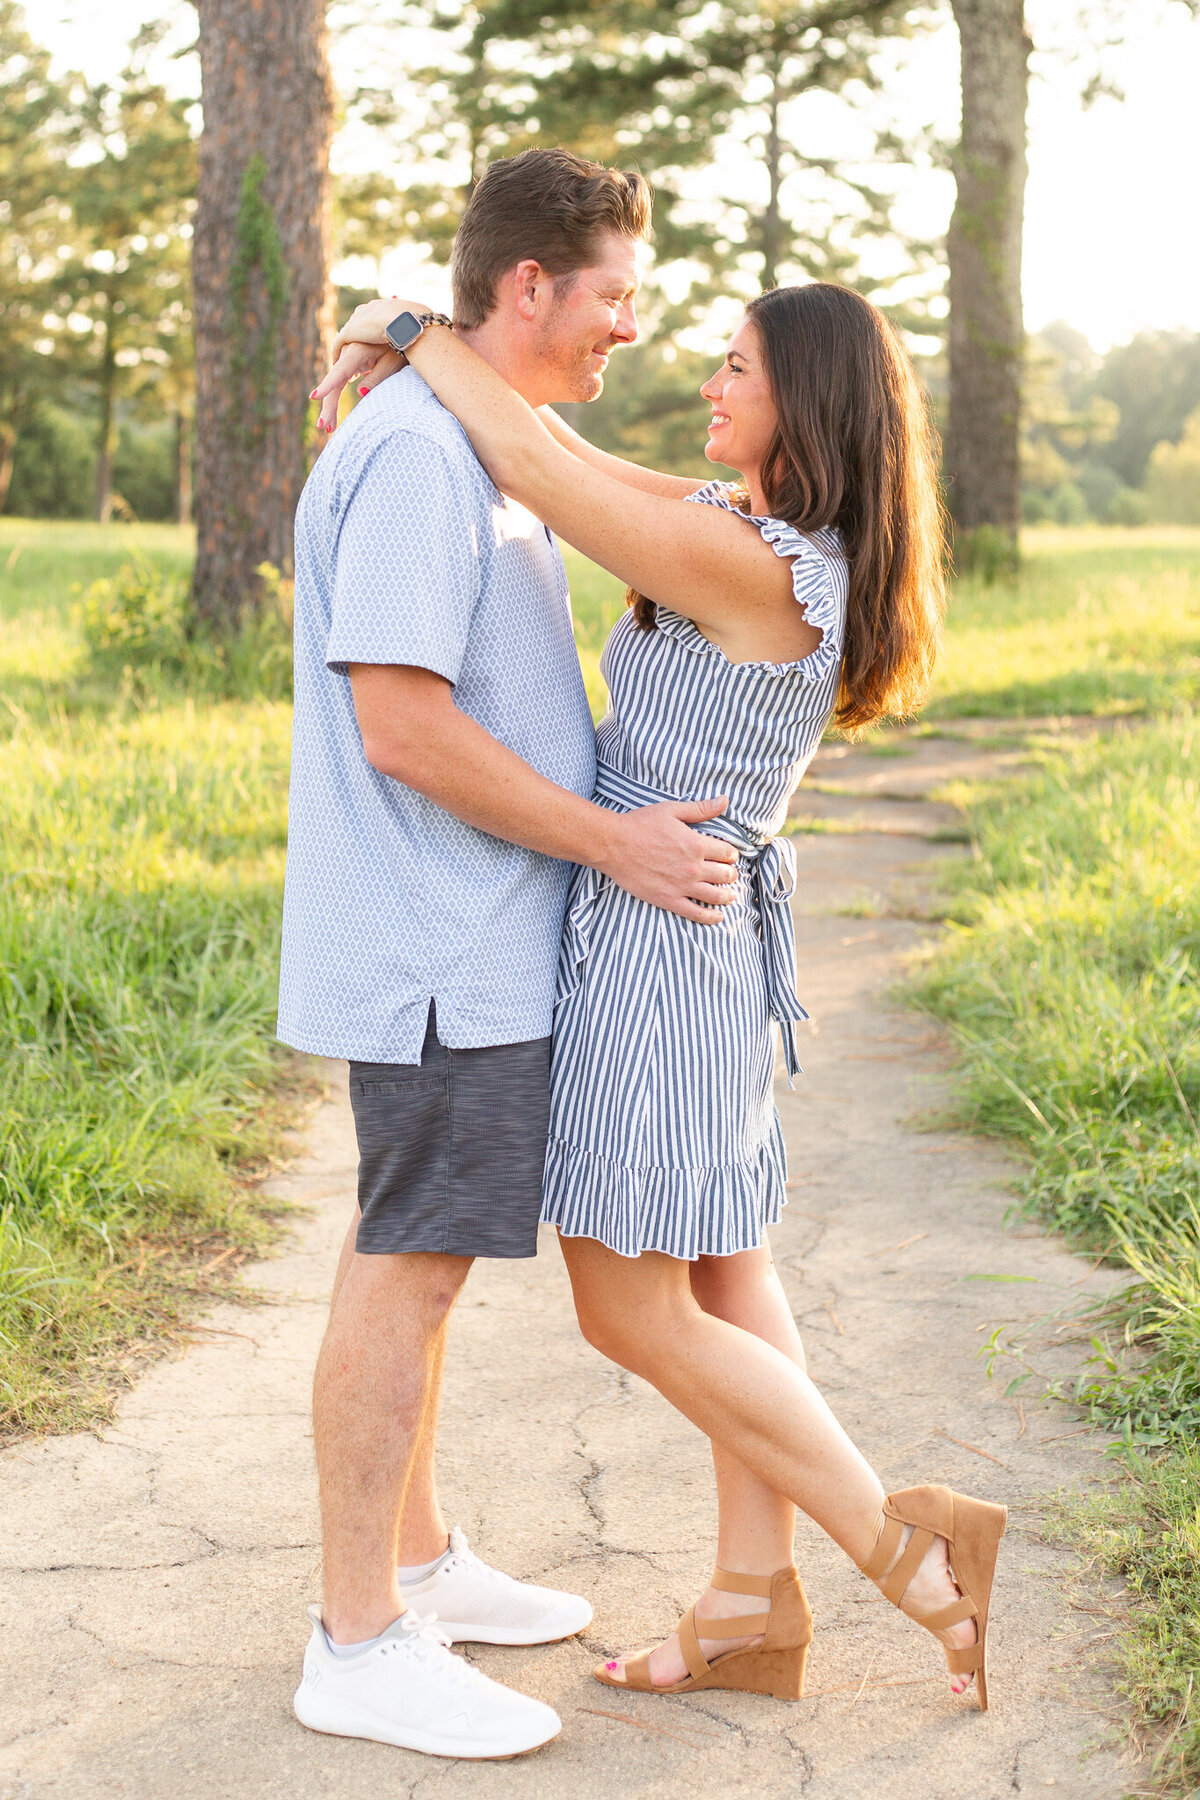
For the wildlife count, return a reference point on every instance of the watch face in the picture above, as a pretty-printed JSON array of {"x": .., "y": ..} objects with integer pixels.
[{"x": 404, "y": 330}]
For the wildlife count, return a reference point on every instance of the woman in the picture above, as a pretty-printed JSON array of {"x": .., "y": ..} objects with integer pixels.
[{"x": 758, "y": 610}]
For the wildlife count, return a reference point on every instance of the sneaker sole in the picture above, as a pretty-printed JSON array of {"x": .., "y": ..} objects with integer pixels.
[
  {"x": 485, "y": 1634},
  {"x": 347, "y": 1720}
]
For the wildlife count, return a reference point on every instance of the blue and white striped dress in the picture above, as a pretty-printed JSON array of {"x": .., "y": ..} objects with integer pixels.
[{"x": 664, "y": 1134}]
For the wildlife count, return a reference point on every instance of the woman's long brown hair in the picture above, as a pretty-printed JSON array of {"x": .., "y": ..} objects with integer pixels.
[{"x": 854, "y": 448}]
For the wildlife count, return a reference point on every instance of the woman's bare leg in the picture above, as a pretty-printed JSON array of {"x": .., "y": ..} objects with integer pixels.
[
  {"x": 757, "y": 1525},
  {"x": 747, "y": 1396}
]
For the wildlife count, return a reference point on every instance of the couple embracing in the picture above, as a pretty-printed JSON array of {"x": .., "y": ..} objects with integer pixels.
[{"x": 553, "y": 955}]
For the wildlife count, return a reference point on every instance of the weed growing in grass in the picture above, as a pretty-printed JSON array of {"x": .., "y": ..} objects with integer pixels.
[{"x": 141, "y": 636}]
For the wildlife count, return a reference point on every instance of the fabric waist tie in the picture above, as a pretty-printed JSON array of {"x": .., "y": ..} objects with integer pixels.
[{"x": 770, "y": 867}]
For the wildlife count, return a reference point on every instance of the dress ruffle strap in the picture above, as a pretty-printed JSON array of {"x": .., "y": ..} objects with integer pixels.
[{"x": 811, "y": 584}]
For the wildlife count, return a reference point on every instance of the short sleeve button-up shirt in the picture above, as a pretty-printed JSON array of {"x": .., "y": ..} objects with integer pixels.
[{"x": 407, "y": 554}]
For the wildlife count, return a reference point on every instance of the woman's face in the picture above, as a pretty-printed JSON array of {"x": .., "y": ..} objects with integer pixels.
[{"x": 743, "y": 412}]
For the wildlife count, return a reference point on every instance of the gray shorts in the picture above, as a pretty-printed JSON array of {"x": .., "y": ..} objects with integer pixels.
[{"x": 452, "y": 1150}]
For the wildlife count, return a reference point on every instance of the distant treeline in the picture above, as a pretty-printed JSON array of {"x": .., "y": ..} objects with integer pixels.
[
  {"x": 1112, "y": 438},
  {"x": 97, "y": 389}
]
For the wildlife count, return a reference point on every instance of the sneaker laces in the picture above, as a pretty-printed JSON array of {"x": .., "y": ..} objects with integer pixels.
[
  {"x": 421, "y": 1627},
  {"x": 462, "y": 1556}
]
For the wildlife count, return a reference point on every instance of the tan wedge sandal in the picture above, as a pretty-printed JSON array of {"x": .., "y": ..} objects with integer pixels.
[
  {"x": 973, "y": 1529},
  {"x": 775, "y": 1667}
]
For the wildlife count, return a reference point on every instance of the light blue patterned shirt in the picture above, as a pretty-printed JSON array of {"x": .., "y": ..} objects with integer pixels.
[{"x": 407, "y": 554}]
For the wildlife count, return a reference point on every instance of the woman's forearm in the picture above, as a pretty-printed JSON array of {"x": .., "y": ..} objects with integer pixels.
[
  {"x": 649, "y": 481},
  {"x": 697, "y": 559}
]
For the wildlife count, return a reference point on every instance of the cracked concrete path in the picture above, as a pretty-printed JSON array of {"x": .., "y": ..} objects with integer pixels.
[{"x": 154, "y": 1577}]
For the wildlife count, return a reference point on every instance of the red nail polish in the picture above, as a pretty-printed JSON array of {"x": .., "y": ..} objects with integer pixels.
[
  {"x": 364, "y": 390},
  {"x": 313, "y": 395}
]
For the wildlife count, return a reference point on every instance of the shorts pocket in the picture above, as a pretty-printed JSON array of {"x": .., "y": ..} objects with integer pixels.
[
  {"x": 403, "y": 1130},
  {"x": 394, "y": 1088}
]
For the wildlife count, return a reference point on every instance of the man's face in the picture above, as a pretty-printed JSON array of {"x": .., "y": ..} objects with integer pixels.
[{"x": 591, "y": 312}]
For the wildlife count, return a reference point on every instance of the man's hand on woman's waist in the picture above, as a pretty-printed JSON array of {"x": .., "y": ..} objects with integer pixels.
[{"x": 413, "y": 731}]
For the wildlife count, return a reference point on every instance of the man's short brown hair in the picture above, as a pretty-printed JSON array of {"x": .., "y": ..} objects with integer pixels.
[{"x": 548, "y": 205}]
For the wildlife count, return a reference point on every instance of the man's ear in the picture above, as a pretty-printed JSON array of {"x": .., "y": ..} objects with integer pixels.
[{"x": 527, "y": 278}]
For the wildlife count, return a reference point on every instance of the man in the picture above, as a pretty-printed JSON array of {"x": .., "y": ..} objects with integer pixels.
[{"x": 442, "y": 759}]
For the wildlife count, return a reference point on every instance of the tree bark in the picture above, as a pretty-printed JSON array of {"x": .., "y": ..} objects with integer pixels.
[
  {"x": 106, "y": 431},
  {"x": 183, "y": 464},
  {"x": 8, "y": 446},
  {"x": 984, "y": 254},
  {"x": 771, "y": 217},
  {"x": 261, "y": 291}
]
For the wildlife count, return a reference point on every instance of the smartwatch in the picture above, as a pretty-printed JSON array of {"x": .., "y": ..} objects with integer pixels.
[{"x": 407, "y": 327}]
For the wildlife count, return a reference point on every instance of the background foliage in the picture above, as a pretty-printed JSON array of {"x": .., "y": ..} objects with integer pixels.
[{"x": 98, "y": 184}]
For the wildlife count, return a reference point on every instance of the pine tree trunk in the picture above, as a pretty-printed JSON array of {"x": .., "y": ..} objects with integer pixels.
[
  {"x": 984, "y": 253},
  {"x": 261, "y": 293},
  {"x": 8, "y": 446},
  {"x": 183, "y": 464},
  {"x": 106, "y": 433},
  {"x": 771, "y": 216}
]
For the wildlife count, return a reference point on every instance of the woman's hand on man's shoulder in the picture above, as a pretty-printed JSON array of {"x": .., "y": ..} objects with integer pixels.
[{"x": 362, "y": 354}]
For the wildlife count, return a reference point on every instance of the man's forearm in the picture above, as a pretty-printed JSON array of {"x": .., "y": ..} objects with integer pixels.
[
  {"x": 465, "y": 770},
  {"x": 412, "y": 731}
]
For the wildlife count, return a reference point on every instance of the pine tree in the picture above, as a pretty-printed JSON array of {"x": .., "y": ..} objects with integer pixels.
[
  {"x": 261, "y": 285},
  {"x": 984, "y": 254},
  {"x": 131, "y": 198},
  {"x": 658, "y": 84},
  {"x": 38, "y": 125}
]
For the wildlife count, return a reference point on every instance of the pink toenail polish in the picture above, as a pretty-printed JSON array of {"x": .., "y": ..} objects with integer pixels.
[{"x": 610, "y": 1667}]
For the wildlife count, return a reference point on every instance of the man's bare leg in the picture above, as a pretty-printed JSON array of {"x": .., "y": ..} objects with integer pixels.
[
  {"x": 423, "y": 1530},
  {"x": 378, "y": 1363},
  {"x": 424, "y": 1533},
  {"x": 345, "y": 1258}
]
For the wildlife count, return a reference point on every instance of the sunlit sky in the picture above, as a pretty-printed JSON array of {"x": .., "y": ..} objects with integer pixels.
[{"x": 1110, "y": 240}]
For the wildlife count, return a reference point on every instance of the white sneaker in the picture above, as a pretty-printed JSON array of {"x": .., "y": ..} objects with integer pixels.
[
  {"x": 476, "y": 1604},
  {"x": 408, "y": 1690}
]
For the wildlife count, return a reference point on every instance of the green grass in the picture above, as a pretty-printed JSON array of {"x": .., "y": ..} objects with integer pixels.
[
  {"x": 42, "y": 559},
  {"x": 1071, "y": 981},
  {"x": 1146, "y": 1533},
  {"x": 141, "y": 849},
  {"x": 1100, "y": 621}
]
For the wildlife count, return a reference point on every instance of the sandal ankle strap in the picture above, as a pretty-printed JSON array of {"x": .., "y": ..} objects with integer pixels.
[{"x": 726, "y": 1582}]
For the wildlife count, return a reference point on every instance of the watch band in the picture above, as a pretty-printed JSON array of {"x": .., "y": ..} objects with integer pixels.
[{"x": 407, "y": 327}]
